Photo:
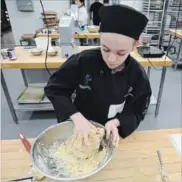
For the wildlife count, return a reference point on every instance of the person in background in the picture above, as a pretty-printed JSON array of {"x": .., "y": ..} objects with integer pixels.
[
  {"x": 111, "y": 87},
  {"x": 82, "y": 16},
  {"x": 94, "y": 12}
]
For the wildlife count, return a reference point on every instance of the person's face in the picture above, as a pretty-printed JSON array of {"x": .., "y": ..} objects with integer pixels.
[
  {"x": 115, "y": 48},
  {"x": 78, "y": 3}
]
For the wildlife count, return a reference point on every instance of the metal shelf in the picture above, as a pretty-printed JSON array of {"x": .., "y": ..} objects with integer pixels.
[
  {"x": 33, "y": 107},
  {"x": 156, "y": 21},
  {"x": 154, "y": 10},
  {"x": 171, "y": 18},
  {"x": 42, "y": 104},
  {"x": 153, "y": 28},
  {"x": 49, "y": 107}
]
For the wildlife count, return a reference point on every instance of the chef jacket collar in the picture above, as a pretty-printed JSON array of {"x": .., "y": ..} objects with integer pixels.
[{"x": 124, "y": 70}]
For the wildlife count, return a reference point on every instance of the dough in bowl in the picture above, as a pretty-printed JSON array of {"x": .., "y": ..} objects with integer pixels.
[{"x": 81, "y": 159}]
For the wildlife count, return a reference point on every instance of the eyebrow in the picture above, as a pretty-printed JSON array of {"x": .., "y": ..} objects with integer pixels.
[
  {"x": 105, "y": 46},
  {"x": 122, "y": 50}
]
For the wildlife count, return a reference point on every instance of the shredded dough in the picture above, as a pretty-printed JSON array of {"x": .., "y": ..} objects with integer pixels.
[{"x": 80, "y": 159}]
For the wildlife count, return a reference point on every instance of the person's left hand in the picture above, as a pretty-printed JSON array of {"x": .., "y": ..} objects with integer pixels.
[{"x": 112, "y": 131}]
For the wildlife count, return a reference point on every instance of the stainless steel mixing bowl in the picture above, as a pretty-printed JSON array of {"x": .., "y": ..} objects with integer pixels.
[{"x": 43, "y": 152}]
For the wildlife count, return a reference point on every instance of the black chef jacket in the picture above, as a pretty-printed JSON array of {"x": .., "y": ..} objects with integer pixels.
[{"x": 101, "y": 93}]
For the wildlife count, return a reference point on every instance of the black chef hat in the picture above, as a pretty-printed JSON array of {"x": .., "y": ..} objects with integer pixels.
[{"x": 122, "y": 19}]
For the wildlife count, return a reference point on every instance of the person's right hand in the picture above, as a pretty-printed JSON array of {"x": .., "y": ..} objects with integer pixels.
[{"x": 82, "y": 126}]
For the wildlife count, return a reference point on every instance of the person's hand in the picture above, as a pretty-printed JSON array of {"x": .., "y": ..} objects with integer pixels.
[
  {"x": 112, "y": 131},
  {"x": 66, "y": 12},
  {"x": 82, "y": 126}
]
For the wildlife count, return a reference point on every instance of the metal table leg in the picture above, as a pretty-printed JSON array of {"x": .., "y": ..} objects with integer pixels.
[
  {"x": 148, "y": 71},
  {"x": 178, "y": 56},
  {"x": 93, "y": 43},
  {"x": 8, "y": 98},
  {"x": 169, "y": 45},
  {"x": 24, "y": 77},
  {"x": 160, "y": 91}
]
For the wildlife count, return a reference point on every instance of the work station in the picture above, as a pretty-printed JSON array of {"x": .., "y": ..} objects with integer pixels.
[{"x": 91, "y": 90}]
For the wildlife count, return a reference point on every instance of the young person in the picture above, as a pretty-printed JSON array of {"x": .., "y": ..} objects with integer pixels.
[
  {"x": 82, "y": 16},
  {"x": 111, "y": 87}
]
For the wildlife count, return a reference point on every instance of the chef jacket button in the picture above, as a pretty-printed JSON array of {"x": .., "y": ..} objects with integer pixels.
[{"x": 101, "y": 73}]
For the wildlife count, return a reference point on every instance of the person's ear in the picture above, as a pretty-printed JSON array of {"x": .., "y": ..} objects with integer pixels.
[
  {"x": 138, "y": 42},
  {"x": 134, "y": 44}
]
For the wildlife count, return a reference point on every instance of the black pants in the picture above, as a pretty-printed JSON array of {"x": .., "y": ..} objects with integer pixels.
[
  {"x": 83, "y": 42},
  {"x": 96, "y": 22}
]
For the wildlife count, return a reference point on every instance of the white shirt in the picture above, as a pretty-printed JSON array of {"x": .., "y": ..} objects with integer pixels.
[
  {"x": 82, "y": 16},
  {"x": 79, "y": 14}
]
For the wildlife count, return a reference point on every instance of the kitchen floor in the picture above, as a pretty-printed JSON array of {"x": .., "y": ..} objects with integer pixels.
[{"x": 31, "y": 124}]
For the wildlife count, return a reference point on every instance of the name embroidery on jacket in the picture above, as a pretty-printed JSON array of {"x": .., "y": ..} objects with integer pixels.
[{"x": 85, "y": 87}]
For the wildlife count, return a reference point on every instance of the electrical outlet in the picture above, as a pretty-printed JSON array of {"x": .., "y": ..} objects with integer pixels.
[{"x": 25, "y": 5}]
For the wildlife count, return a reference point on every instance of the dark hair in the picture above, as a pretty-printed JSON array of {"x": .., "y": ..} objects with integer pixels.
[{"x": 82, "y": 1}]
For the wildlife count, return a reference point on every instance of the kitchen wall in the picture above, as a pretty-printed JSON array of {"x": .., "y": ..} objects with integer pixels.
[
  {"x": 137, "y": 4},
  {"x": 28, "y": 22}
]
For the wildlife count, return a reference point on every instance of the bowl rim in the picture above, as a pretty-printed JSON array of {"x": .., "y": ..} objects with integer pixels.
[
  {"x": 36, "y": 50},
  {"x": 66, "y": 179},
  {"x": 93, "y": 26},
  {"x": 52, "y": 51}
]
